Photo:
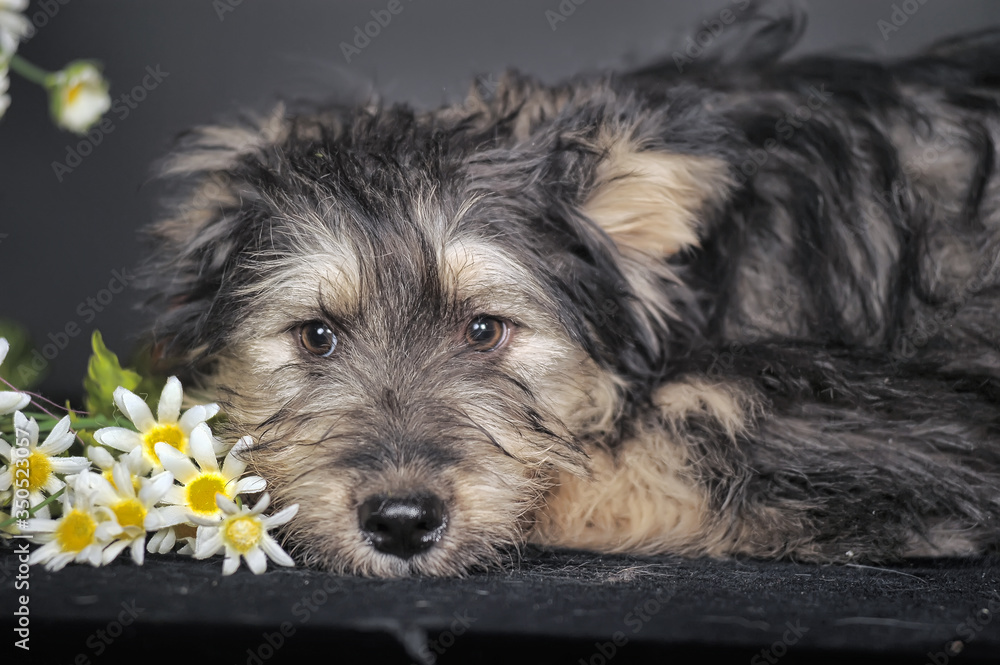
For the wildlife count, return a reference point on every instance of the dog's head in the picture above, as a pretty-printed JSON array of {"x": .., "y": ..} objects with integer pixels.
[{"x": 424, "y": 319}]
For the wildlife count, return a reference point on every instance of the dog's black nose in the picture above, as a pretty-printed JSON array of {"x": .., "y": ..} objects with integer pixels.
[{"x": 402, "y": 526}]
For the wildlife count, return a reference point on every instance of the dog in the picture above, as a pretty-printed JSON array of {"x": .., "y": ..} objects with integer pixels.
[{"x": 733, "y": 305}]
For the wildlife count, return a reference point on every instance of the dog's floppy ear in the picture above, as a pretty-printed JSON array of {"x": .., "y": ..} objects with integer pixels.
[
  {"x": 654, "y": 201},
  {"x": 194, "y": 240}
]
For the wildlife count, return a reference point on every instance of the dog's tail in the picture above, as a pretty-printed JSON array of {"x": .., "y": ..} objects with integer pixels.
[
  {"x": 971, "y": 60},
  {"x": 747, "y": 33}
]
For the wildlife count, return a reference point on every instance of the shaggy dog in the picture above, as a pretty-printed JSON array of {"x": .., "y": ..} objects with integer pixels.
[{"x": 725, "y": 305}]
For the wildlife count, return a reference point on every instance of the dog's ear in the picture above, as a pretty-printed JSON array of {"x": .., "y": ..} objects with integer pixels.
[
  {"x": 654, "y": 201},
  {"x": 194, "y": 240}
]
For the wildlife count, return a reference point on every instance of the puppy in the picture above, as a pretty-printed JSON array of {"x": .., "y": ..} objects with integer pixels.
[{"x": 733, "y": 305}]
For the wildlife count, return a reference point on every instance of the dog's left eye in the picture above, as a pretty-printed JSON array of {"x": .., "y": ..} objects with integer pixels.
[
  {"x": 317, "y": 338},
  {"x": 486, "y": 333}
]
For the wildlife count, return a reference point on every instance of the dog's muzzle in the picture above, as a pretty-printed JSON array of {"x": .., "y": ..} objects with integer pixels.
[{"x": 403, "y": 526}]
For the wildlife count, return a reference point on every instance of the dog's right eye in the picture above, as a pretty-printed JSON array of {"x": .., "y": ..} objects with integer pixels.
[{"x": 317, "y": 338}]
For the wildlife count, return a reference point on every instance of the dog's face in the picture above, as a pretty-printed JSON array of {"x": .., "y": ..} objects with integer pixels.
[{"x": 424, "y": 320}]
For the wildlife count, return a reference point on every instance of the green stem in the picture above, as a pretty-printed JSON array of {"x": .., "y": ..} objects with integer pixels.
[
  {"x": 29, "y": 71},
  {"x": 33, "y": 509}
]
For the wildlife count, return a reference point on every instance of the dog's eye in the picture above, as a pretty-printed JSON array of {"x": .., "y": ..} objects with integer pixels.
[
  {"x": 317, "y": 338},
  {"x": 486, "y": 333}
]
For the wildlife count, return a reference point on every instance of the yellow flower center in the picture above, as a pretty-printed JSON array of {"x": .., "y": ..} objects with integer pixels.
[
  {"x": 75, "y": 531},
  {"x": 201, "y": 493},
  {"x": 243, "y": 533},
  {"x": 171, "y": 435},
  {"x": 39, "y": 470},
  {"x": 73, "y": 92},
  {"x": 129, "y": 513},
  {"x": 110, "y": 477}
]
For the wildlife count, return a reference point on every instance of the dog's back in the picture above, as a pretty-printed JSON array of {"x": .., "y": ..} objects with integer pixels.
[{"x": 852, "y": 282}]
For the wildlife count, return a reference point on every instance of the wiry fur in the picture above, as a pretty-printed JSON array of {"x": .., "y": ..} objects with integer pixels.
[{"x": 754, "y": 308}]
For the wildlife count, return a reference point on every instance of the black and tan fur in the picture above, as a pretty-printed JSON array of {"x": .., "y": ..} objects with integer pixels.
[{"x": 753, "y": 308}]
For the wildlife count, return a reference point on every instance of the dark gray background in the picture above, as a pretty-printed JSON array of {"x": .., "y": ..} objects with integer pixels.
[{"x": 63, "y": 240}]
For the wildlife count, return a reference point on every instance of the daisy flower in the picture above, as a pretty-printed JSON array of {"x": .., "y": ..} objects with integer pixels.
[
  {"x": 78, "y": 96},
  {"x": 169, "y": 427},
  {"x": 132, "y": 510},
  {"x": 9, "y": 401},
  {"x": 243, "y": 532},
  {"x": 42, "y": 461},
  {"x": 135, "y": 461},
  {"x": 82, "y": 534},
  {"x": 199, "y": 484},
  {"x": 13, "y": 25}
]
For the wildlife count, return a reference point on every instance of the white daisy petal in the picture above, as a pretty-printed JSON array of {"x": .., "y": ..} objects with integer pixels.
[
  {"x": 281, "y": 517},
  {"x": 197, "y": 414},
  {"x": 256, "y": 561},
  {"x": 118, "y": 438},
  {"x": 100, "y": 456},
  {"x": 4, "y": 348},
  {"x": 53, "y": 484},
  {"x": 11, "y": 402},
  {"x": 202, "y": 449},
  {"x": 226, "y": 504},
  {"x": 123, "y": 480},
  {"x": 208, "y": 543},
  {"x": 107, "y": 530},
  {"x": 138, "y": 551},
  {"x": 230, "y": 565},
  {"x": 233, "y": 466},
  {"x": 112, "y": 551},
  {"x": 68, "y": 465},
  {"x": 262, "y": 503},
  {"x": 169, "y": 408},
  {"x": 4, "y": 449},
  {"x": 153, "y": 490},
  {"x": 250, "y": 485},
  {"x": 59, "y": 439},
  {"x": 6, "y": 478},
  {"x": 176, "y": 462},
  {"x": 165, "y": 517},
  {"x": 162, "y": 541},
  {"x": 37, "y": 525},
  {"x": 176, "y": 495},
  {"x": 29, "y": 426},
  {"x": 274, "y": 551},
  {"x": 135, "y": 409}
]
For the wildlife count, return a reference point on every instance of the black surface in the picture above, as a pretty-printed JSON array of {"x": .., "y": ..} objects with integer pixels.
[{"x": 553, "y": 607}]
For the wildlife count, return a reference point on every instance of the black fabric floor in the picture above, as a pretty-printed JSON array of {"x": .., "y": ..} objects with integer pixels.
[{"x": 554, "y": 607}]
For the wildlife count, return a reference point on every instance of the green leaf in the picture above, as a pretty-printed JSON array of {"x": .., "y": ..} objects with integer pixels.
[
  {"x": 153, "y": 380},
  {"x": 17, "y": 368},
  {"x": 104, "y": 375}
]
